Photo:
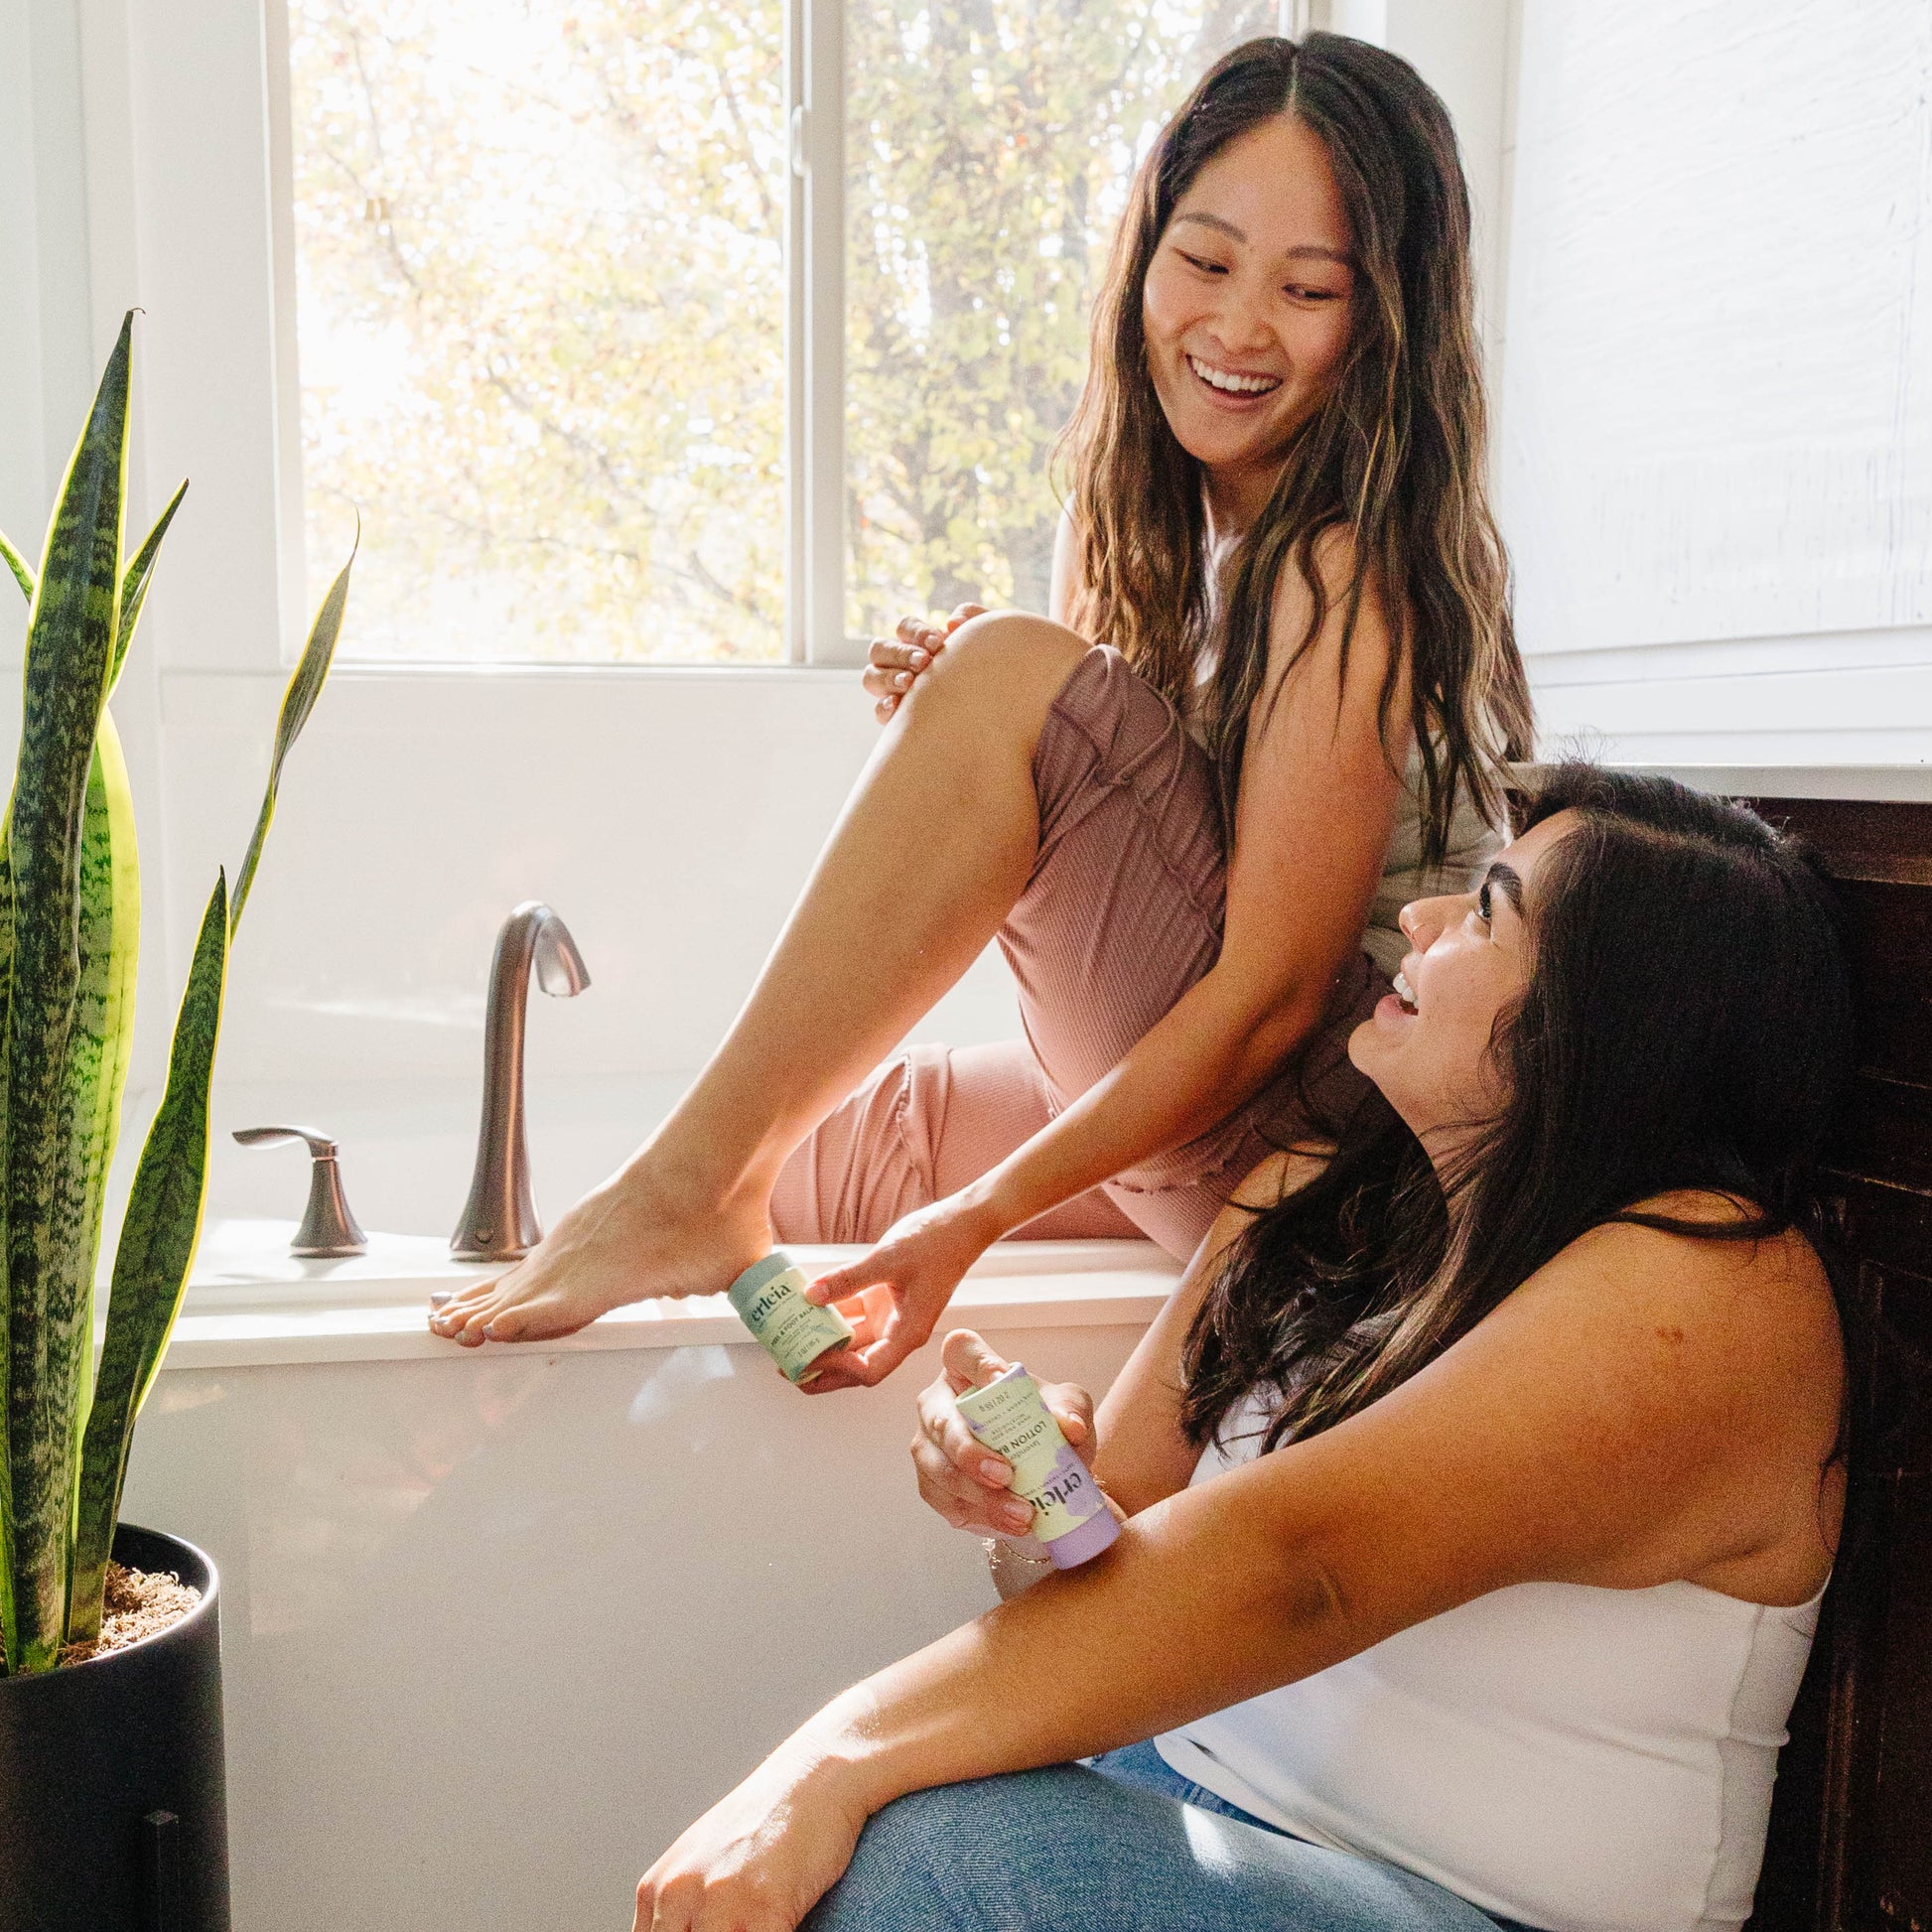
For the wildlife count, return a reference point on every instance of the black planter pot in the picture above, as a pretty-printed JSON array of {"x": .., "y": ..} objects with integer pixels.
[{"x": 113, "y": 1802}]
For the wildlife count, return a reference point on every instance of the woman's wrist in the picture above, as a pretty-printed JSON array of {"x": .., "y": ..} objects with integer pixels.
[
  {"x": 843, "y": 1751},
  {"x": 1013, "y": 1568},
  {"x": 986, "y": 1211}
]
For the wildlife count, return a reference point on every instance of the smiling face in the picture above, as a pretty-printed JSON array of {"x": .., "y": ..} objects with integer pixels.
[
  {"x": 1428, "y": 1044},
  {"x": 1246, "y": 308}
]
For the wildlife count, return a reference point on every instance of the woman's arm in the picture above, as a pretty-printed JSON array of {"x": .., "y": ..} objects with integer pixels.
[
  {"x": 1645, "y": 1409},
  {"x": 1066, "y": 579},
  {"x": 1144, "y": 1453},
  {"x": 1319, "y": 800},
  {"x": 1137, "y": 1447}
]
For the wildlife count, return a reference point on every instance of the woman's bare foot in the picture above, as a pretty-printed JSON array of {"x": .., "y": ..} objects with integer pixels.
[{"x": 639, "y": 1235}]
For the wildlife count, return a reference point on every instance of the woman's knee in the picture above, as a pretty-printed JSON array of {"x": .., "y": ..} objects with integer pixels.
[
  {"x": 1006, "y": 667},
  {"x": 929, "y": 1859}
]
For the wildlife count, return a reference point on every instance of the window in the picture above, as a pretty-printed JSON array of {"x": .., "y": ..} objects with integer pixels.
[
  {"x": 541, "y": 321},
  {"x": 542, "y": 288}
]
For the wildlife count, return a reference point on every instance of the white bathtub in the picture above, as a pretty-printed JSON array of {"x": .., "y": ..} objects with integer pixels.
[{"x": 497, "y": 1624}]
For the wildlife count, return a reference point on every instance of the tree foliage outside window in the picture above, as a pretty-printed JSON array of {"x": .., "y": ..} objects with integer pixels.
[
  {"x": 541, "y": 294},
  {"x": 988, "y": 154}
]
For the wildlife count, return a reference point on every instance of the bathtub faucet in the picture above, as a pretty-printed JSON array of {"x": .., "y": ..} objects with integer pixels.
[{"x": 500, "y": 1220}]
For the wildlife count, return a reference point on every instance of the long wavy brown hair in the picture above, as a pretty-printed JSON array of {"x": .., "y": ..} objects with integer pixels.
[{"x": 1395, "y": 455}]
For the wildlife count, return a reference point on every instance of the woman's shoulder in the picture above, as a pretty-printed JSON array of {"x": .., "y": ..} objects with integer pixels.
[
  {"x": 1354, "y": 638},
  {"x": 1333, "y": 559},
  {"x": 1695, "y": 1232},
  {"x": 1684, "y": 1264}
]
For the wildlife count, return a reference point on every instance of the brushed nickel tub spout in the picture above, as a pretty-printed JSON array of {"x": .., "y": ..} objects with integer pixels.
[{"x": 500, "y": 1220}]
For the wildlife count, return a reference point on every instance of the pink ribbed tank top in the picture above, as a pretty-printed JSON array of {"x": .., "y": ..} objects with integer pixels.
[{"x": 1582, "y": 1759}]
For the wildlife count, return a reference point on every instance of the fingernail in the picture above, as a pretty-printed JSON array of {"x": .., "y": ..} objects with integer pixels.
[
  {"x": 998, "y": 1472},
  {"x": 1017, "y": 1515},
  {"x": 901, "y": 680},
  {"x": 920, "y": 660}
]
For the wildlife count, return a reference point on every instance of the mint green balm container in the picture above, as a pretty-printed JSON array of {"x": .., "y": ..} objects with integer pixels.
[
  {"x": 769, "y": 1297},
  {"x": 1070, "y": 1515}
]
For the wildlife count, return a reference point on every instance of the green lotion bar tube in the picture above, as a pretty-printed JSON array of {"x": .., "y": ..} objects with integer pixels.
[
  {"x": 769, "y": 1297},
  {"x": 1070, "y": 1515}
]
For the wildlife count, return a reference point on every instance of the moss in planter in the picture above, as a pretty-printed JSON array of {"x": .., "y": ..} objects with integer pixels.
[{"x": 136, "y": 1604}]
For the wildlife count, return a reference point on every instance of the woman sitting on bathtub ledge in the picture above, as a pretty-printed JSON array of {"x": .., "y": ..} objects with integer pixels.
[
  {"x": 1274, "y": 701},
  {"x": 1478, "y": 1497}
]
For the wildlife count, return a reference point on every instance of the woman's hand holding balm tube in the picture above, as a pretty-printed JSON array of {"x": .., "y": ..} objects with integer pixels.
[
  {"x": 996, "y": 1452},
  {"x": 769, "y": 1297}
]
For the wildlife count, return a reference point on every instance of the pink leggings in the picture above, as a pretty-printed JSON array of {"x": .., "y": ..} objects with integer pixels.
[{"x": 1121, "y": 915}]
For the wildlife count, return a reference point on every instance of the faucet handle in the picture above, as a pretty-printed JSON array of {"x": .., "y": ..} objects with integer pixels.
[{"x": 328, "y": 1230}]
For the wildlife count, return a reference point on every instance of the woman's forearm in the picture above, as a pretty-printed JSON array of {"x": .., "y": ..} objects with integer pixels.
[
  {"x": 1193, "y": 1609},
  {"x": 1208, "y": 1057}
]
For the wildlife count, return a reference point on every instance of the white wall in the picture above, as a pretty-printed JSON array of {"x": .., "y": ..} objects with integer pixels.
[
  {"x": 46, "y": 358},
  {"x": 1464, "y": 49},
  {"x": 1717, "y": 466}
]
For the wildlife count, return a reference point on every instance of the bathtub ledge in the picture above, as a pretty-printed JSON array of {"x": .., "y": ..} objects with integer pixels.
[{"x": 250, "y": 1304}]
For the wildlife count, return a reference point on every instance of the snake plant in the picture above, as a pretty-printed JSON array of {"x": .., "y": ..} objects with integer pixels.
[{"x": 70, "y": 925}]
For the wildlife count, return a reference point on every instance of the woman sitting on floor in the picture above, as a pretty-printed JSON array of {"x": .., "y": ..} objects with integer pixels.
[{"x": 1479, "y": 1488}]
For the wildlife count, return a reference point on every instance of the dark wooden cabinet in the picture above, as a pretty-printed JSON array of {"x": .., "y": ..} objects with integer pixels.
[{"x": 1851, "y": 1845}]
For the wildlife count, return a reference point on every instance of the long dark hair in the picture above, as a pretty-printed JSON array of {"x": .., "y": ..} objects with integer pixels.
[
  {"x": 1395, "y": 456},
  {"x": 1686, "y": 1024}
]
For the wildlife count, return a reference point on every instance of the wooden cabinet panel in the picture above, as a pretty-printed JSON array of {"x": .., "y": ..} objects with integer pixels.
[{"x": 1851, "y": 1845}]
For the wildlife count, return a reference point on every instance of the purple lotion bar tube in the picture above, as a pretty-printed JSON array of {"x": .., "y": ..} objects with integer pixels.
[{"x": 1070, "y": 1515}]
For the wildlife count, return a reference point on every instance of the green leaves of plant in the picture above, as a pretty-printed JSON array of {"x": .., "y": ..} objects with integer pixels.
[
  {"x": 16, "y": 562},
  {"x": 46, "y": 1247},
  {"x": 298, "y": 700},
  {"x": 134, "y": 585},
  {"x": 159, "y": 1237},
  {"x": 69, "y": 921}
]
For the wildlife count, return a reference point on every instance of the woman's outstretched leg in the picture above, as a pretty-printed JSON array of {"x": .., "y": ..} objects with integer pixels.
[{"x": 933, "y": 848}]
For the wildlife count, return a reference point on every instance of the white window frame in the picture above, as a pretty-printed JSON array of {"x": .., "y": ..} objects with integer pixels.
[{"x": 814, "y": 330}]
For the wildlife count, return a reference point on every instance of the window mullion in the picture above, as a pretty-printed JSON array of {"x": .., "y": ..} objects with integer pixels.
[
  {"x": 815, "y": 334},
  {"x": 797, "y": 292}
]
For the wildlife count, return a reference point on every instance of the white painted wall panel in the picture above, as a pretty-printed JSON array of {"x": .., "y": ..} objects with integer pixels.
[
  {"x": 495, "y": 1628},
  {"x": 1718, "y": 404}
]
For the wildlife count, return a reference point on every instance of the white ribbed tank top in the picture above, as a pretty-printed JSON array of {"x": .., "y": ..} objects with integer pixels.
[{"x": 1583, "y": 1759}]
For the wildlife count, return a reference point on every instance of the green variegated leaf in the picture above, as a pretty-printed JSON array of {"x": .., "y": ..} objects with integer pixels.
[
  {"x": 152, "y": 1263},
  {"x": 71, "y": 639},
  {"x": 298, "y": 700},
  {"x": 134, "y": 585},
  {"x": 21, "y": 572},
  {"x": 103, "y": 1018},
  {"x": 6, "y": 1410}
]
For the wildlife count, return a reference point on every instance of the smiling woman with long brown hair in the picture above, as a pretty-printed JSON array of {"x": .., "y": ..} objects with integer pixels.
[{"x": 1273, "y": 703}]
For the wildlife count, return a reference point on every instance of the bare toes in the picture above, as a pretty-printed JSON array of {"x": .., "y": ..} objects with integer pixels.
[
  {"x": 474, "y": 1322},
  {"x": 508, "y": 1324}
]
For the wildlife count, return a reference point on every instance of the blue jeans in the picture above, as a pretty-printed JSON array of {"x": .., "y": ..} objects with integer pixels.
[{"x": 1127, "y": 1844}]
